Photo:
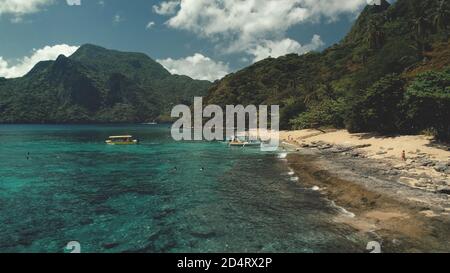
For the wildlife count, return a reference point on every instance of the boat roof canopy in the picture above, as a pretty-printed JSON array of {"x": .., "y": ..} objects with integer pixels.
[{"x": 113, "y": 137}]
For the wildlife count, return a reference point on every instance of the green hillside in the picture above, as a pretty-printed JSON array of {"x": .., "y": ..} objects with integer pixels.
[
  {"x": 95, "y": 85},
  {"x": 368, "y": 82}
]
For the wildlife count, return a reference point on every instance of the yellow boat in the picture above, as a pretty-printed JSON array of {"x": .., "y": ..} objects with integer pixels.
[{"x": 122, "y": 140}]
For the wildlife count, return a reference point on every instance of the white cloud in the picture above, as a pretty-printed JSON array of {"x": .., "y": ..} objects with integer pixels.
[
  {"x": 197, "y": 67},
  {"x": 279, "y": 48},
  {"x": 166, "y": 7},
  {"x": 150, "y": 25},
  {"x": 22, "y": 7},
  {"x": 74, "y": 2},
  {"x": 25, "y": 64},
  {"x": 239, "y": 26}
]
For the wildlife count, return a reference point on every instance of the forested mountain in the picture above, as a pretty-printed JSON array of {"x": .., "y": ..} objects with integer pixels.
[
  {"x": 389, "y": 74},
  {"x": 95, "y": 85}
]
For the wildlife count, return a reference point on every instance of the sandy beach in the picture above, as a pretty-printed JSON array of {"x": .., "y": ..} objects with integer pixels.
[
  {"x": 426, "y": 164},
  {"x": 396, "y": 201}
]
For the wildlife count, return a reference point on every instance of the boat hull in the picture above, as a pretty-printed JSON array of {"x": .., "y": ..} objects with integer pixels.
[{"x": 122, "y": 143}]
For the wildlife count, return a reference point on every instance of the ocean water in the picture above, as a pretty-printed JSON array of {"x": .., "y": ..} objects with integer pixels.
[{"x": 62, "y": 183}]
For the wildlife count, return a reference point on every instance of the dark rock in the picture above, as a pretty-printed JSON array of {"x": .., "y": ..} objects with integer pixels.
[
  {"x": 325, "y": 147},
  {"x": 110, "y": 245},
  {"x": 86, "y": 222},
  {"x": 444, "y": 190},
  {"x": 393, "y": 172},
  {"x": 203, "y": 233},
  {"x": 426, "y": 162},
  {"x": 362, "y": 146},
  {"x": 441, "y": 167},
  {"x": 441, "y": 183},
  {"x": 164, "y": 213},
  {"x": 336, "y": 150},
  {"x": 341, "y": 149},
  {"x": 167, "y": 246}
]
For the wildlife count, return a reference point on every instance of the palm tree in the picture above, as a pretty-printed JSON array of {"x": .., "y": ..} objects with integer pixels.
[
  {"x": 440, "y": 18},
  {"x": 421, "y": 27}
]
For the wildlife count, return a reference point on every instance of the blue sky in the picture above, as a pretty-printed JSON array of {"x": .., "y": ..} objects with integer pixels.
[{"x": 201, "y": 38}]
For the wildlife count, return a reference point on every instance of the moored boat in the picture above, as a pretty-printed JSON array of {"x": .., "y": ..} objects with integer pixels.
[
  {"x": 150, "y": 123},
  {"x": 122, "y": 140},
  {"x": 244, "y": 142}
]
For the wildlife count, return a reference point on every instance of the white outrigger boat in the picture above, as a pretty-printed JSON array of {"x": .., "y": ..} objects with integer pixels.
[{"x": 244, "y": 142}]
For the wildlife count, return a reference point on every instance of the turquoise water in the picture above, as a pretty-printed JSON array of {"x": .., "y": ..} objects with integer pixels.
[{"x": 73, "y": 187}]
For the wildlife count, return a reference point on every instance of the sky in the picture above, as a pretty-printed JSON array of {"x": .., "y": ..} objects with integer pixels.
[{"x": 204, "y": 39}]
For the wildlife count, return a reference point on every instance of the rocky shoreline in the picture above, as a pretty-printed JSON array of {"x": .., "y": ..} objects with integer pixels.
[
  {"x": 403, "y": 204},
  {"x": 407, "y": 172}
]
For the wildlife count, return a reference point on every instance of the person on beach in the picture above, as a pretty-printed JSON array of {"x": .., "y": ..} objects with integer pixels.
[{"x": 404, "y": 156}]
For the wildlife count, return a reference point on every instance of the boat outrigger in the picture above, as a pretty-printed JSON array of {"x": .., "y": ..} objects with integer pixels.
[
  {"x": 122, "y": 140},
  {"x": 244, "y": 144}
]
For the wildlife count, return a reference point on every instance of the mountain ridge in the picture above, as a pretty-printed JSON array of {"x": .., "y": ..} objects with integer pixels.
[{"x": 96, "y": 85}]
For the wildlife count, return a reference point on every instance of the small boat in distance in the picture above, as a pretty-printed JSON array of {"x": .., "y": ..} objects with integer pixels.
[
  {"x": 150, "y": 123},
  {"x": 244, "y": 142},
  {"x": 122, "y": 140}
]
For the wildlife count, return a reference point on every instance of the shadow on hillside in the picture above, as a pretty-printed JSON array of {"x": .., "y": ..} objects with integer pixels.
[{"x": 376, "y": 135}]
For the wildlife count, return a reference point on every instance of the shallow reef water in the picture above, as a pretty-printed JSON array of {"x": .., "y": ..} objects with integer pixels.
[{"x": 63, "y": 183}]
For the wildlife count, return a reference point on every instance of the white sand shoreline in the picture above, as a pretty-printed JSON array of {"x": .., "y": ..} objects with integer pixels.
[{"x": 426, "y": 167}]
